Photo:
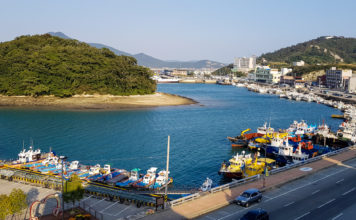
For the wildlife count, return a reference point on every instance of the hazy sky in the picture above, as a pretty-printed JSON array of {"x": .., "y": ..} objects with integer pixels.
[{"x": 184, "y": 29}]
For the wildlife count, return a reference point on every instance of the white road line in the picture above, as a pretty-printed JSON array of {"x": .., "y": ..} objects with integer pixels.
[
  {"x": 305, "y": 214},
  {"x": 102, "y": 211},
  {"x": 266, "y": 197},
  {"x": 339, "y": 181},
  {"x": 97, "y": 202},
  {"x": 345, "y": 193},
  {"x": 122, "y": 211},
  {"x": 316, "y": 191},
  {"x": 326, "y": 203},
  {"x": 342, "y": 170},
  {"x": 339, "y": 215},
  {"x": 288, "y": 204},
  {"x": 86, "y": 198}
]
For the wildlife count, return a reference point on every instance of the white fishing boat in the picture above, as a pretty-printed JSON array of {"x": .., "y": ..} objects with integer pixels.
[
  {"x": 264, "y": 129},
  {"x": 94, "y": 170},
  {"x": 29, "y": 156}
]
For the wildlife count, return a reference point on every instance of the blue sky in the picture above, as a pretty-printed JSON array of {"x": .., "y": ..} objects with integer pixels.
[{"x": 182, "y": 30}]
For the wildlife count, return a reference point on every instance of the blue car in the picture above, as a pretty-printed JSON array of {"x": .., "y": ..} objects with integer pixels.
[{"x": 248, "y": 197}]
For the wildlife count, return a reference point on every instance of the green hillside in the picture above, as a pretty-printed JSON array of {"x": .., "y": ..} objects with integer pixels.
[
  {"x": 47, "y": 65},
  {"x": 323, "y": 50}
]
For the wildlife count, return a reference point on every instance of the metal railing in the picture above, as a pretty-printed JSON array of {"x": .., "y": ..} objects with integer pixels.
[{"x": 256, "y": 177}]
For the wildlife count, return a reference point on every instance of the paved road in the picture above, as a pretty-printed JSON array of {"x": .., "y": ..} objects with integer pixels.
[{"x": 328, "y": 194}]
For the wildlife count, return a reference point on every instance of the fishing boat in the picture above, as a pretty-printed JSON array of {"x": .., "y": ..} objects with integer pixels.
[
  {"x": 264, "y": 129},
  {"x": 259, "y": 166},
  {"x": 239, "y": 143},
  {"x": 29, "y": 156},
  {"x": 161, "y": 180},
  {"x": 236, "y": 165},
  {"x": 133, "y": 177},
  {"x": 147, "y": 180}
]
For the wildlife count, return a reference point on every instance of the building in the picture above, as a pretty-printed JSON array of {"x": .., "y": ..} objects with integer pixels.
[
  {"x": 266, "y": 75},
  {"x": 350, "y": 84},
  {"x": 285, "y": 71},
  {"x": 290, "y": 80},
  {"x": 298, "y": 63},
  {"x": 245, "y": 64},
  {"x": 180, "y": 72},
  {"x": 336, "y": 79}
]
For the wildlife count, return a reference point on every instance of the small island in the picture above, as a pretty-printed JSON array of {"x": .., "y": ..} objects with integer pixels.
[{"x": 48, "y": 72}]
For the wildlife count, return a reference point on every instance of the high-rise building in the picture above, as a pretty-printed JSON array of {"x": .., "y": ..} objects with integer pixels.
[{"x": 245, "y": 64}]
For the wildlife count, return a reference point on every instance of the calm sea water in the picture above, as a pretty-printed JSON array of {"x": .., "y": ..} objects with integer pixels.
[{"x": 138, "y": 139}]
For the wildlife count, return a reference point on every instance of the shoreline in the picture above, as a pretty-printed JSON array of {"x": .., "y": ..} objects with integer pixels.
[{"x": 94, "y": 102}]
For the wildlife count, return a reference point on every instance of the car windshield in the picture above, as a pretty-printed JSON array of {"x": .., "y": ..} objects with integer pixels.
[{"x": 245, "y": 194}]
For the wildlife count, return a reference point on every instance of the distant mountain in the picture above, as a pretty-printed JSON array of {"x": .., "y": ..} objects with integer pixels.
[
  {"x": 322, "y": 50},
  {"x": 149, "y": 61}
]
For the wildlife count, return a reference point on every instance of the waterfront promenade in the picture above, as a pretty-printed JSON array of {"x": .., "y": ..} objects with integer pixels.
[{"x": 212, "y": 202}]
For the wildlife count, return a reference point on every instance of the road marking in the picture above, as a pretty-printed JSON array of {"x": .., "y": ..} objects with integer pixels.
[
  {"x": 288, "y": 204},
  {"x": 316, "y": 191},
  {"x": 339, "y": 215},
  {"x": 345, "y": 193},
  {"x": 102, "y": 211},
  {"x": 266, "y": 197},
  {"x": 122, "y": 211},
  {"x": 339, "y": 181},
  {"x": 97, "y": 202},
  {"x": 326, "y": 203},
  {"x": 305, "y": 214},
  {"x": 86, "y": 198},
  {"x": 342, "y": 170}
]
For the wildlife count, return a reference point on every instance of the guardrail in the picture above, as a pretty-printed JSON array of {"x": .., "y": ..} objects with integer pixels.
[{"x": 256, "y": 177}]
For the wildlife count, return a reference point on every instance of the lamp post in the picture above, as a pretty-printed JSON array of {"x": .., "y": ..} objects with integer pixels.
[{"x": 62, "y": 160}]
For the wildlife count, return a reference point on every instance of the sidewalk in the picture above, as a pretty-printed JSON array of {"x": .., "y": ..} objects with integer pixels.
[{"x": 215, "y": 201}]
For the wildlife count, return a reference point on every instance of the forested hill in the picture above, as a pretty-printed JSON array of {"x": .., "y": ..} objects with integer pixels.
[
  {"x": 47, "y": 65},
  {"x": 318, "y": 51}
]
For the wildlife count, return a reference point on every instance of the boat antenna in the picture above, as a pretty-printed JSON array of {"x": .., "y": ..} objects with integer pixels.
[{"x": 23, "y": 145}]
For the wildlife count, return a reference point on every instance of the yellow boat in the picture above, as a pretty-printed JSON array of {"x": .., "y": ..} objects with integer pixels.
[
  {"x": 235, "y": 168},
  {"x": 258, "y": 166}
]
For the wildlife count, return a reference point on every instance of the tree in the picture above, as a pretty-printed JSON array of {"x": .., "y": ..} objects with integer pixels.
[
  {"x": 73, "y": 190},
  {"x": 17, "y": 201},
  {"x": 4, "y": 206}
]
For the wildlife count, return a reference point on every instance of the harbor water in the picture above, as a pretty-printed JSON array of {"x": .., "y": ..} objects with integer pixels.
[{"x": 138, "y": 138}]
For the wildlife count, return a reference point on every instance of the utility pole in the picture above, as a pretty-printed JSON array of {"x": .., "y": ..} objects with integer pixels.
[
  {"x": 62, "y": 160},
  {"x": 167, "y": 169}
]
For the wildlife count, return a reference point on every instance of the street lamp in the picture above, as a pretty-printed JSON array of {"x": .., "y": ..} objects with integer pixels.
[{"x": 62, "y": 160}]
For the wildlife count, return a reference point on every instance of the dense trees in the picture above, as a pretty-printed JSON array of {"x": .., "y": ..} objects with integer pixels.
[
  {"x": 228, "y": 71},
  {"x": 318, "y": 51},
  {"x": 46, "y": 65},
  {"x": 13, "y": 203},
  {"x": 73, "y": 190}
]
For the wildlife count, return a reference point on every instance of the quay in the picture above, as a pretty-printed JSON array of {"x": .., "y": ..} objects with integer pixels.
[{"x": 209, "y": 201}]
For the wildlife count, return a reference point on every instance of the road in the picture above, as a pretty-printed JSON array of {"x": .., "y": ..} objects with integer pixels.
[{"x": 328, "y": 194}]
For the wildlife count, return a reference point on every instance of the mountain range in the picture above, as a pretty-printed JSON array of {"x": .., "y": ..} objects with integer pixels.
[{"x": 152, "y": 62}]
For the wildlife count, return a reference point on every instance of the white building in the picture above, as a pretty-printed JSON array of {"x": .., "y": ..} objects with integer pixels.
[
  {"x": 284, "y": 71},
  {"x": 245, "y": 64},
  {"x": 266, "y": 75},
  {"x": 350, "y": 84},
  {"x": 298, "y": 63}
]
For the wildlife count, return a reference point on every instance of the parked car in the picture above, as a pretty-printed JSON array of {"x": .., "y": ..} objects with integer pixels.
[
  {"x": 349, "y": 96},
  {"x": 256, "y": 214},
  {"x": 248, "y": 197}
]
